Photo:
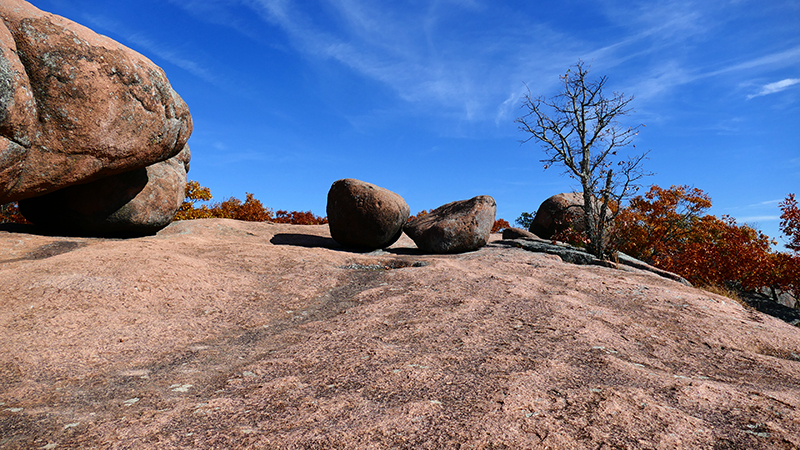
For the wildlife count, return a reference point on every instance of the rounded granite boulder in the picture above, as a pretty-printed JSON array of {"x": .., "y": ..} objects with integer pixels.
[
  {"x": 456, "y": 227},
  {"x": 557, "y": 214},
  {"x": 362, "y": 215}
]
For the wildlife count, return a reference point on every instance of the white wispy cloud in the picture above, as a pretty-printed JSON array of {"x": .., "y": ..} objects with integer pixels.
[
  {"x": 429, "y": 59},
  {"x": 775, "y": 87},
  {"x": 766, "y": 203},
  {"x": 782, "y": 58},
  {"x": 664, "y": 77},
  {"x": 670, "y": 30},
  {"x": 466, "y": 77},
  {"x": 757, "y": 206}
]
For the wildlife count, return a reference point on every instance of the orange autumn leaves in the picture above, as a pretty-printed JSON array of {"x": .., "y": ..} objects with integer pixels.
[
  {"x": 9, "y": 213},
  {"x": 668, "y": 228},
  {"x": 500, "y": 225},
  {"x": 790, "y": 222},
  {"x": 251, "y": 209}
]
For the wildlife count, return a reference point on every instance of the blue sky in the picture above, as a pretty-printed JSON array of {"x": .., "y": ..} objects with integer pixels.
[{"x": 420, "y": 97}]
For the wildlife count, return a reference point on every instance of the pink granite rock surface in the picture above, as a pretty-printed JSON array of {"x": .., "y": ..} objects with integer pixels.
[
  {"x": 76, "y": 106},
  {"x": 218, "y": 334}
]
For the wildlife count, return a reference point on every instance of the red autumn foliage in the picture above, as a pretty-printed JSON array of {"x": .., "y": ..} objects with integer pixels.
[
  {"x": 655, "y": 226},
  {"x": 424, "y": 212},
  {"x": 299, "y": 218},
  {"x": 667, "y": 228},
  {"x": 251, "y": 209},
  {"x": 499, "y": 225},
  {"x": 717, "y": 251},
  {"x": 570, "y": 235},
  {"x": 790, "y": 223},
  {"x": 9, "y": 213}
]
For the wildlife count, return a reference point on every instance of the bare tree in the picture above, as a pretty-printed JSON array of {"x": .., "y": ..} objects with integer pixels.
[{"x": 578, "y": 129}]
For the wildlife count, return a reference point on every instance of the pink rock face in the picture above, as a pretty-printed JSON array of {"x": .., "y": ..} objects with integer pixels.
[
  {"x": 138, "y": 202},
  {"x": 219, "y": 334},
  {"x": 362, "y": 215},
  {"x": 76, "y": 106},
  {"x": 456, "y": 227}
]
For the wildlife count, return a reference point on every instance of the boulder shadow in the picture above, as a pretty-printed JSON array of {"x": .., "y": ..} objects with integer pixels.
[
  {"x": 772, "y": 308},
  {"x": 313, "y": 241},
  {"x": 24, "y": 228},
  {"x": 305, "y": 240},
  {"x": 69, "y": 233}
]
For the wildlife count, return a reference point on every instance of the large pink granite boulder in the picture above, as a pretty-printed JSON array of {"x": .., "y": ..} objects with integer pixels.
[
  {"x": 76, "y": 106},
  {"x": 362, "y": 215},
  {"x": 559, "y": 213}
]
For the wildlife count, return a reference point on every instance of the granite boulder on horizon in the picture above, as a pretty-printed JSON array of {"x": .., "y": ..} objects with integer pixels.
[
  {"x": 557, "y": 214},
  {"x": 456, "y": 227},
  {"x": 365, "y": 216}
]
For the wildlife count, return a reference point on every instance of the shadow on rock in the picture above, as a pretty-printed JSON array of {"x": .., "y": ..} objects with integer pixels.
[
  {"x": 311, "y": 241},
  {"x": 405, "y": 251},
  {"x": 305, "y": 240},
  {"x": 774, "y": 309},
  {"x": 50, "y": 232}
]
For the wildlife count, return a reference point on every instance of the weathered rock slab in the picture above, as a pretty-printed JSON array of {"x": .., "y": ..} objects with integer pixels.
[
  {"x": 456, "y": 227},
  {"x": 76, "y": 106},
  {"x": 363, "y": 215},
  {"x": 573, "y": 255}
]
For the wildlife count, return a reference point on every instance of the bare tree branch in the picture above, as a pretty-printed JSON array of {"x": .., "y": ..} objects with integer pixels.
[{"x": 578, "y": 129}]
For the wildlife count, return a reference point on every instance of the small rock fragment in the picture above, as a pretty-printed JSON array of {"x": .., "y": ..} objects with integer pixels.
[{"x": 517, "y": 233}]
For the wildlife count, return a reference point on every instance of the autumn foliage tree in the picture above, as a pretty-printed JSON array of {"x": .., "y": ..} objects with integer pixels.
[
  {"x": 500, "y": 225},
  {"x": 424, "y": 212},
  {"x": 786, "y": 268},
  {"x": 656, "y": 226},
  {"x": 298, "y": 218},
  {"x": 790, "y": 223},
  {"x": 718, "y": 251},
  {"x": 194, "y": 193},
  {"x": 251, "y": 209},
  {"x": 668, "y": 228}
]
